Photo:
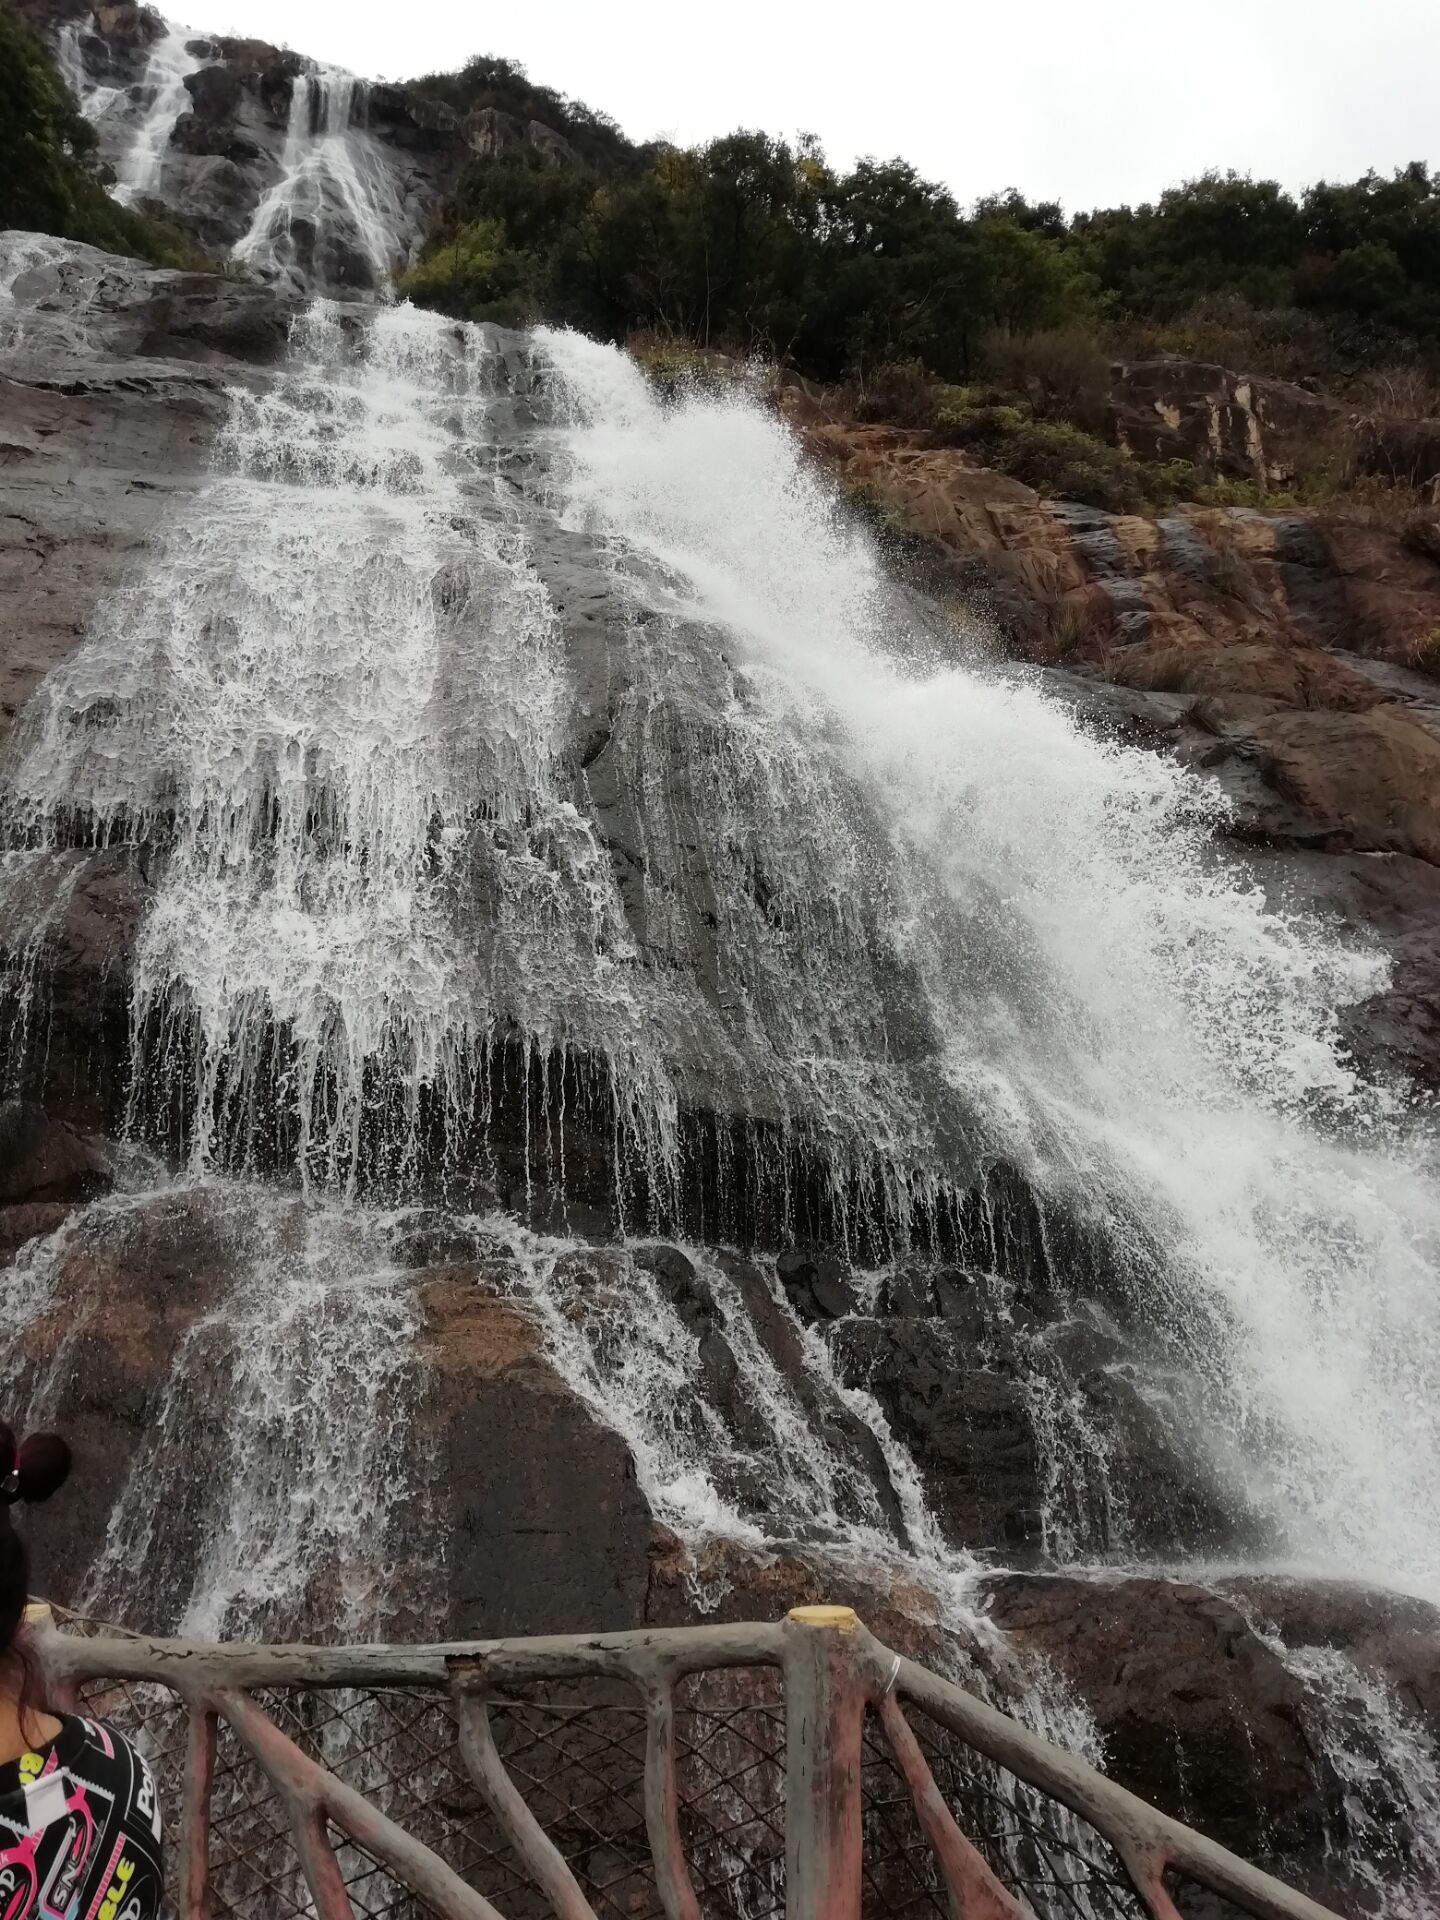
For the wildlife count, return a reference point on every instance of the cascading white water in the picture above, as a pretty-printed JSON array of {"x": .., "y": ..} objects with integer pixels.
[
  {"x": 938, "y": 925},
  {"x": 139, "y": 170},
  {"x": 333, "y": 699},
  {"x": 94, "y": 101},
  {"x": 334, "y": 216},
  {"x": 281, "y": 1508},
  {"x": 1384, "y": 1758},
  {"x": 310, "y": 1353},
  {"x": 1151, "y": 1040}
]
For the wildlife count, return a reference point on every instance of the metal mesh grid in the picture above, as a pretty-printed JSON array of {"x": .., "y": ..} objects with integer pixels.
[
  {"x": 1055, "y": 1861},
  {"x": 576, "y": 1752}
]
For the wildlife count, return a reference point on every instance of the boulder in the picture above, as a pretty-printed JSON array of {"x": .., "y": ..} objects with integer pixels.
[
  {"x": 1284, "y": 676},
  {"x": 1224, "y": 422},
  {"x": 1375, "y": 775},
  {"x": 544, "y": 1528},
  {"x": 43, "y": 1160},
  {"x": 1389, "y": 899},
  {"x": 1392, "y": 1637},
  {"x": 1197, "y": 1713},
  {"x": 968, "y": 1428},
  {"x": 19, "y": 1225}
]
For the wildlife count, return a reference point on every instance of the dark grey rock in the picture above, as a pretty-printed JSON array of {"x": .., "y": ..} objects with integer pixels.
[{"x": 45, "y": 1160}]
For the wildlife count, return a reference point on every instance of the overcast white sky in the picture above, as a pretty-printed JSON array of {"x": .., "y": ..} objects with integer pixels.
[{"x": 1088, "y": 104}]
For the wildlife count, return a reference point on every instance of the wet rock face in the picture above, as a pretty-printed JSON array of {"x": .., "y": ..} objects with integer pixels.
[
  {"x": 227, "y": 147},
  {"x": 110, "y": 399},
  {"x": 118, "y": 1296},
  {"x": 545, "y": 1528},
  {"x": 1195, "y": 1710},
  {"x": 1393, "y": 1639},
  {"x": 44, "y": 1160}
]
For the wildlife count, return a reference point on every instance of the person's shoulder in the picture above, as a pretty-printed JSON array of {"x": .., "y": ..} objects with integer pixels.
[{"x": 98, "y": 1738}]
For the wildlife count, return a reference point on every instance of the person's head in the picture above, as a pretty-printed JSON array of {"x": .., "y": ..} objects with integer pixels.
[{"x": 31, "y": 1471}]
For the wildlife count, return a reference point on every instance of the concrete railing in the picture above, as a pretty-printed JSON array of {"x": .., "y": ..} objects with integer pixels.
[{"x": 815, "y": 1716}]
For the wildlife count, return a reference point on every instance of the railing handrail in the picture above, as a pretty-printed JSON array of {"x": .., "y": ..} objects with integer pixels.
[
  {"x": 834, "y": 1672},
  {"x": 188, "y": 1664}
]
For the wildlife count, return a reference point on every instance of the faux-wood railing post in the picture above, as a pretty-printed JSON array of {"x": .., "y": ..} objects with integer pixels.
[{"x": 825, "y": 1698}]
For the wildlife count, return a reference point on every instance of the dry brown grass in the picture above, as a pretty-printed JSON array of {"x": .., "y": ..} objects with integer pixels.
[
  {"x": 1071, "y": 632},
  {"x": 1422, "y": 652}
]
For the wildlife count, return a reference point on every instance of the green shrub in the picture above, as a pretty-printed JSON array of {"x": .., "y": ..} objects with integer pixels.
[
  {"x": 1062, "y": 372},
  {"x": 471, "y": 273},
  {"x": 1051, "y": 456}
]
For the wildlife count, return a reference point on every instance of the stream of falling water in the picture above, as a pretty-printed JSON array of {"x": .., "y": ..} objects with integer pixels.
[
  {"x": 336, "y": 193},
  {"x": 940, "y": 927},
  {"x": 1149, "y": 1043},
  {"x": 140, "y": 168}
]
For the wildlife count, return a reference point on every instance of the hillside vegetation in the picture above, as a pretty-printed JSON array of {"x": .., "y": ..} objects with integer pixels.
[{"x": 994, "y": 325}]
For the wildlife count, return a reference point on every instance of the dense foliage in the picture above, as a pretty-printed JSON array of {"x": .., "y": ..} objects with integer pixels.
[
  {"x": 992, "y": 327},
  {"x": 751, "y": 242},
  {"x": 49, "y": 182}
]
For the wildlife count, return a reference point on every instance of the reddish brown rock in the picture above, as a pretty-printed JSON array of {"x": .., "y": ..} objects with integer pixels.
[
  {"x": 1376, "y": 774},
  {"x": 544, "y": 1527},
  {"x": 20, "y": 1225},
  {"x": 1281, "y": 676}
]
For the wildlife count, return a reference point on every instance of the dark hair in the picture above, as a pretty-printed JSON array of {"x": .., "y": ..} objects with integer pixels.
[{"x": 30, "y": 1472}]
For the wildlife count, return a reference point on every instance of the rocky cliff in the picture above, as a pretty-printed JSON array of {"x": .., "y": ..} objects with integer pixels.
[
  {"x": 310, "y": 177},
  {"x": 990, "y": 1394}
]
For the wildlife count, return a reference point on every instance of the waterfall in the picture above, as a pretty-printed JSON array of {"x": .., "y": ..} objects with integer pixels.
[
  {"x": 545, "y": 801},
  {"x": 336, "y": 700},
  {"x": 95, "y": 102},
  {"x": 1144, "y": 1038},
  {"x": 163, "y": 98},
  {"x": 333, "y": 218},
  {"x": 69, "y": 63}
]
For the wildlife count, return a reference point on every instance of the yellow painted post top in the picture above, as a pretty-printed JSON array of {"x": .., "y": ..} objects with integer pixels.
[
  {"x": 38, "y": 1613},
  {"x": 843, "y": 1619}
]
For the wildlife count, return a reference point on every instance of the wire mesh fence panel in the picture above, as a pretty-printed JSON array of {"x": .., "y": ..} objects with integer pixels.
[
  {"x": 730, "y": 1773},
  {"x": 576, "y": 1751},
  {"x": 253, "y": 1865},
  {"x": 1052, "y": 1859}
]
